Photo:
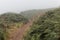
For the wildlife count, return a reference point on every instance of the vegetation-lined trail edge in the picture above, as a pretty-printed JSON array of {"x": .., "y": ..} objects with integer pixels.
[{"x": 19, "y": 34}]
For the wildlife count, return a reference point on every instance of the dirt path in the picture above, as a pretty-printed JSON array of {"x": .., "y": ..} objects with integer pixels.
[
  {"x": 21, "y": 31},
  {"x": 19, "y": 34}
]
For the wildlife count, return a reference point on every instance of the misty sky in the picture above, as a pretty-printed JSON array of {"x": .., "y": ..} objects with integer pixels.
[{"x": 22, "y": 5}]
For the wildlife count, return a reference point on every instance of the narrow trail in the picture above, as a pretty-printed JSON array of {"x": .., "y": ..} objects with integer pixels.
[{"x": 19, "y": 34}]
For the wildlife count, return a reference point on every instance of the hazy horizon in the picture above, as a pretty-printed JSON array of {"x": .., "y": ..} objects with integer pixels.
[{"x": 22, "y": 5}]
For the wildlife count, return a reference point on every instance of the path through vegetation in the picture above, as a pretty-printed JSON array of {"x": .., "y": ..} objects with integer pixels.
[{"x": 19, "y": 34}]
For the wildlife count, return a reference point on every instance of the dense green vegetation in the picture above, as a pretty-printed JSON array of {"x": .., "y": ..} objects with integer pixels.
[
  {"x": 46, "y": 28},
  {"x": 11, "y": 17},
  {"x": 8, "y": 19}
]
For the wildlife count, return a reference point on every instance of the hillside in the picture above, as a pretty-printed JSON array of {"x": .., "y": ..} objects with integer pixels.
[
  {"x": 47, "y": 27},
  {"x": 9, "y": 22},
  {"x": 13, "y": 24}
]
